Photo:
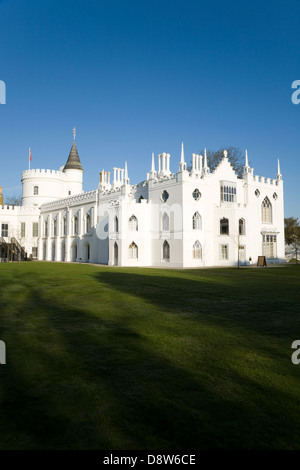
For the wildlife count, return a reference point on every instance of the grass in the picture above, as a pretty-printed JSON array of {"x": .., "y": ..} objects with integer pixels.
[{"x": 123, "y": 358}]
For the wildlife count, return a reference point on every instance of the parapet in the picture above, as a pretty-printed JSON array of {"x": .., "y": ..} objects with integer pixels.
[
  {"x": 264, "y": 180},
  {"x": 18, "y": 209},
  {"x": 41, "y": 173},
  {"x": 83, "y": 197}
]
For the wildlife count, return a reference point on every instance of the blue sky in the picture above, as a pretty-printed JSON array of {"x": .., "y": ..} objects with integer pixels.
[{"x": 140, "y": 77}]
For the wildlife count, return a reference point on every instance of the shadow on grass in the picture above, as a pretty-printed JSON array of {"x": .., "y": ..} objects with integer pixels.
[
  {"x": 79, "y": 378},
  {"x": 76, "y": 380},
  {"x": 260, "y": 301}
]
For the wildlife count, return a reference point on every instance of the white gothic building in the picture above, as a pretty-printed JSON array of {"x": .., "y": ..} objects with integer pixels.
[{"x": 185, "y": 219}]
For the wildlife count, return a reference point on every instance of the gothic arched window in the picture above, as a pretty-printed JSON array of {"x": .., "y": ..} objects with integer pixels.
[
  {"x": 197, "y": 221},
  {"x": 64, "y": 226},
  {"x": 75, "y": 225},
  {"x": 197, "y": 250},
  {"x": 133, "y": 223},
  {"x": 266, "y": 211},
  {"x": 166, "y": 250},
  {"x": 133, "y": 251},
  {"x": 224, "y": 226},
  {"x": 116, "y": 224},
  {"x": 242, "y": 227},
  {"x": 88, "y": 222}
]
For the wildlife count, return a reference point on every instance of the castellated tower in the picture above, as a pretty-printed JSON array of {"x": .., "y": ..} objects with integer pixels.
[{"x": 41, "y": 186}]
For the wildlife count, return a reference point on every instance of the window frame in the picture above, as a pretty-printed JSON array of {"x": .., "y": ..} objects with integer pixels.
[
  {"x": 224, "y": 251},
  {"x": 23, "y": 229},
  {"x": 165, "y": 195},
  {"x": 166, "y": 250},
  {"x": 197, "y": 221},
  {"x": 242, "y": 227},
  {"x": 196, "y": 191},
  {"x": 228, "y": 191},
  {"x": 4, "y": 230},
  {"x": 222, "y": 225},
  {"x": 88, "y": 224},
  {"x": 55, "y": 227},
  {"x": 46, "y": 228},
  {"x": 133, "y": 251},
  {"x": 64, "y": 226},
  {"x": 76, "y": 225},
  {"x": 116, "y": 224},
  {"x": 269, "y": 245},
  {"x": 35, "y": 229},
  {"x": 197, "y": 249},
  {"x": 133, "y": 223},
  {"x": 266, "y": 211}
]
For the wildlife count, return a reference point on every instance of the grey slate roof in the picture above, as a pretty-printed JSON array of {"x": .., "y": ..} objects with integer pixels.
[{"x": 73, "y": 162}]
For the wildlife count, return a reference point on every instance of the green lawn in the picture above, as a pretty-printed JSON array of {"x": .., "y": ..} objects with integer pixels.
[{"x": 123, "y": 358}]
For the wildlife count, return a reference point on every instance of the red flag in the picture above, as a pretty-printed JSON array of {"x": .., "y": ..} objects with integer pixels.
[{"x": 29, "y": 154}]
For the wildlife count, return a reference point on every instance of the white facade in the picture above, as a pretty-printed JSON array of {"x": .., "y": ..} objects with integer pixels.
[
  {"x": 186, "y": 219},
  {"x": 22, "y": 224}
]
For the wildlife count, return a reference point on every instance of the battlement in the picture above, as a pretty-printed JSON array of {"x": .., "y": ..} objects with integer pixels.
[
  {"x": 89, "y": 196},
  {"x": 41, "y": 173},
  {"x": 264, "y": 180},
  {"x": 18, "y": 209}
]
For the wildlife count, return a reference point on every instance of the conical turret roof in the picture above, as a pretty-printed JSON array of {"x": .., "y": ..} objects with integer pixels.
[{"x": 73, "y": 162}]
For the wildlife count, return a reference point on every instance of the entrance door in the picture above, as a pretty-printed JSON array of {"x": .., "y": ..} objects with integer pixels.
[{"x": 242, "y": 254}]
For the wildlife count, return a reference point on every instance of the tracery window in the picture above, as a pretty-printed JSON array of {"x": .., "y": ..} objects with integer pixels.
[
  {"x": 197, "y": 221},
  {"x": 266, "y": 211},
  {"x": 133, "y": 251},
  {"x": 197, "y": 250}
]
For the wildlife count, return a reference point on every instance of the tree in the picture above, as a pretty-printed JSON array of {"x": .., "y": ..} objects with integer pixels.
[
  {"x": 292, "y": 233},
  {"x": 235, "y": 156},
  {"x": 13, "y": 200}
]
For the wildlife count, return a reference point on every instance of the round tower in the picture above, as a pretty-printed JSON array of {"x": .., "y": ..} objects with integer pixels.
[{"x": 41, "y": 186}]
